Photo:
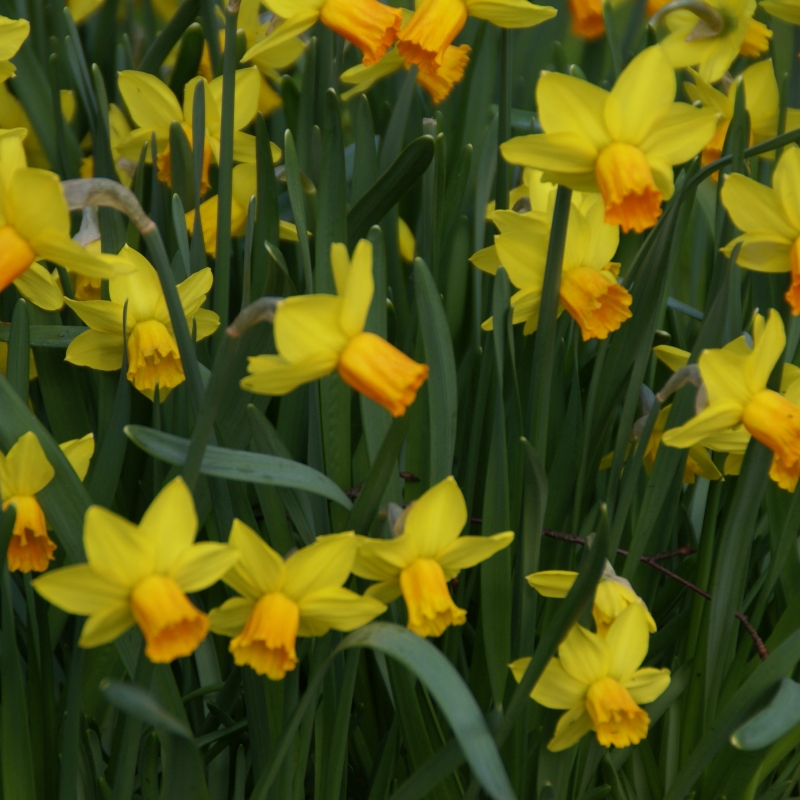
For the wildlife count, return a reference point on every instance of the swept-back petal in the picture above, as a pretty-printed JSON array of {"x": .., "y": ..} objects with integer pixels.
[
  {"x": 140, "y": 287},
  {"x": 274, "y": 375},
  {"x": 326, "y": 562},
  {"x": 571, "y": 728},
  {"x": 194, "y": 289},
  {"x": 96, "y": 350},
  {"x": 723, "y": 375},
  {"x": 567, "y": 153},
  {"x": 762, "y": 252},
  {"x": 116, "y": 548},
  {"x": 628, "y": 639},
  {"x": 79, "y": 453},
  {"x": 230, "y": 617},
  {"x": 104, "y": 626},
  {"x": 34, "y": 202},
  {"x": 338, "y": 608},
  {"x": 39, "y": 286},
  {"x": 358, "y": 289},
  {"x": 435, "y": 520},
  {"x": 510, "y": 13},
  {"x": 260, "y": 567},
  {"x": 385, "y": 591},
  {"x": 681, "y": 134},
  {"x": 170, "y": 523},
  {"x": 202, "y": 565},
  {"x": 79, "y": 589},
  {"x": 557, "y": 688},
  {"x": 568, "y": 104},
  {"x": 645, "y": 685},
  {"x": 27, "y": 467},
  {"x": 150, "y": 101},
  {"x": 754, "y": 207},
  {"x": 768, "y": 349},
  {"x": 584, "y": 655},
  {"x": 552, "y": 582},
  {"x": 57, "y": 247},
  {"x": 673, "y": 357},
  {"x": 711, "y": 421},
  {"x": 102, "y": 316},
  {"x": 467, "y": 551},
  {"x": 785, "y": 182},
  {"x": 306, "y": 325},
  {"x": 383, "y": 559}
]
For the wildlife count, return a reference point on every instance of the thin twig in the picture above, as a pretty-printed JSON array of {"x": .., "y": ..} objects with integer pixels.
[{"x": 653, "y": 562}]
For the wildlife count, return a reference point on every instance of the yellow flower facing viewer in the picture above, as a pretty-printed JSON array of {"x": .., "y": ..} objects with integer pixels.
[
  {"x": 429, "y": 552},
  {"x": 153, "y": 356},
  {"x": 770, "y": 221},
  {"x": 282, "y": 599},
  {"x": 24, "y": 472},
  {"x": 140, "y": 575},
  {"x": 13, "y": 32},
  {"x": 621, "y": 143},
  {"x": 316, "y": 334},
  {"x": 599, "y": 683},
  {"x": 589, "y": 289}
]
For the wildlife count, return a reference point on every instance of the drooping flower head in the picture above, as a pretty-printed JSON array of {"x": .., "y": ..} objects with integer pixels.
[
  {"x": 153, "y": 356},
  {"x": 140, "y": 575},
  {"x": 282, "y": 599},
  {"x": 598, "y": 682},
  {"x": 13, "y": 32},
  {"x": 316, "y": 334},
  {"x": 24, "y": 472},
  {"x": 621, "y": 143},
  {"x": 426, "y": 554}
]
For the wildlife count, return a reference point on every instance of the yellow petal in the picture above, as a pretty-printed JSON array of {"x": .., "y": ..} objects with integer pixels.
[
  {"x": 96, "y": 350},
  {"x": 436, "y": 519},
  {"x": 681, "y": 134},
  {"x": 35, "y": 202},
  {"x": 628, "y": 639},
  {"x": 358, "y": 289},
  {"x": 645, "y": 685},
  {"x": 13, "y": 32},
  {"x": 768, "y": 349},
  {"x": 298, "y": 17},
  {"x": 552, "y": 582},
  {"x": 150, "y": 101},
  {"x": 557, "y": 688},
  {"x": 783, "y": 9},
  {"x": 259, "y": 568},
  {"x": 194, "y": 289},
  {"x": 244, "y": 147},
  {"x": 510, "y": 13},
  {"x": 78, "y": 589},
  {"x": 40, "y": 287},
  {"x": 79, "y": 453},
  {"x": 522, "y": 248},
  {"x": 385, "y": 591},
  {"x": 703, "y": 463},
  {"x": 337, "y": 608},
  {"x": 104, "y": 626},
  {"x": 673, "y": 357},
  {"x": 584, "y": 655},
  {"x": 102, "y": 316},
  {"x": 326, "y": 562},
  {"x": 116, "y": 548},
  {"x": 723, "y": 375},
  {"x": 383, "y": 559},
  {"x": 170, "y": 523},
  {"x": 274, "y": 375},
  {"x": 762, "y": 252},
  {"x": 755, "y": 207},
  {"x": 202, "y": 565},
  {"x": 784, "y": 179},
  {"x": 711, "y": 421},
  {"x": 571, "y": 728},
  {"x": 567, "y": 153},
  {"x": 467, "y": 551},
  {"x": 307, "y": 325},
  {"x": 486, "y": 260},
  {"x": 61, "y": 250},
  {"x": 231, "y": 616},
  {"x": 140, "y": 287},
  {"x": 26, "y": 468},
  {"x": 287, "y": 231},
  {"x": 206, "y": 322}
]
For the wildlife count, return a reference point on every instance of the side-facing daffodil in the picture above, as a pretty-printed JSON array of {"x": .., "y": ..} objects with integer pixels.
[
  {"x": 13, "y": 32},
  {"x": 599, "y": 683},
  {"x": 35, "y": 224},
  {"x": 770, "y": 221},
  {"x": 316, "y": 334},
  {"x": 140, "y": 575},
  {"x": 587, "y": 18},
  {"x": 153, "y": 356},
  {"x": 282, "y": 599},
  {"x": 426, "y": 554},
  {"x": 622, "y": 143},
  {"x": 424, "y": 41},
  {"x": 612, "y": 596},
  {"x": 735, "y": 384},
  {"x": 24, "y": 472},
  {"x": 589, "y": 289}
]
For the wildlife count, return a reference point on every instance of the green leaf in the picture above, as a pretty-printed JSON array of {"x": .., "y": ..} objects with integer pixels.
[
  {"x": 238, "y": 465},
  {"x": 170, "y": 36},
  {"x": 19, "y": 355},
  {"x": 54, "y": 336},
  {"x": 771, "y": 723},
  {"x": 140, "y": 704}
]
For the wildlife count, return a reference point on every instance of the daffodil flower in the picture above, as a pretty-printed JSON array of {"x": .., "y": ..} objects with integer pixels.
[
  {"x": 13, "y": 32},
  {"x": 424, "y": 41},
  {"x": 153, "y": 356},
  {"x": 735, "y": 384},
  {"x": 154, "y": 107},
  {"x": 770, "y": 221},
  {"x": 316, "y": 334},
  {"x": 426, "y": 554},
  {"x": 282, "y": 599},
  {"x": 587, "y": 18},
  {"x": 34, "y": 224},
  {"x": 599, "y": 683},
  {"x": 24, "y": 472},
  {"x": 622, "y": 143},
  {"x": 710, "y": 34},
  {"x": 761, "y": 100},
  {"x": 589, "y": 289},
  {"x": 612, "y": 596},
  {"x": 140, "y": 575}
]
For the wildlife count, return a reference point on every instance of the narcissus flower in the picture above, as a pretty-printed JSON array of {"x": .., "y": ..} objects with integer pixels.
[
  {"x": 141, "y": 574},
  {"x": 736, "y": 387},
  {"x": 710, "y": 34},
  {"x": 13, "y": 32},
  {"x": 612, "y": 596},
  {"x": 316, "y": 334},
  {"x": 424, "y": 41},
  {"x": 426, "y": 554},
  {"x": 622, "y": 143},
  {"x": 153, "y": 356},
  {"x": 589, "y": 289},
  {"x": 587, "y": 18},
  {"x": 598, "y": 682},
  {"x": 282, "y": 599},
  {"x": 24, "y": 472},
  {"x": 35, "y": 224},
  {"x": 770, "y": 219}
]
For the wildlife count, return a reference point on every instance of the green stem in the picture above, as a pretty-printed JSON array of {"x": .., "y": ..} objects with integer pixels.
[{"x": 504, "y": 119}]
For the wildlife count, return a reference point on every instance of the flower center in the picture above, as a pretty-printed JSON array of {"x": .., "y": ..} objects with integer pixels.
[
  {"x": 431, "y": 609},
  {"x": 368, "y": 24},
  {"x": 30, "y": 548},
  {"x": 379, "y": 370},
  {"x": 596, "y": 303},
  {"x": 267, "y": 641},
  {"x": 775, "y": 422},
  {"x": 153, "y": 359},
  {"x": 616, "y": 718},
  {"x": 172, "y": 627},
  {"x": 16, "y": 255},
  {"x": 625, "y": 180}
]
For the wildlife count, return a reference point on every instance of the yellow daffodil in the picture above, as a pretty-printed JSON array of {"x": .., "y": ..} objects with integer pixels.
[
  {"x": 598, "y": 682},
  {"x": 13, "y": 32},
  {"x": 119, "y": 130},
  {"x": 34, "y": 224},
  {"x": 140, "y": 575},
  {"x": 153, "y": 356},
  {"x": 13, "y": 115},
  {"x": 244, "y": 181},
  {"x": 770, "y": 221},
  {"x": 589, "y": 289},
  {"x": 424, "y": 41},
  {"x": 406, "y": 242},
  {"x": 735, "y": 384},
  {"x": 761, "y": 100},
  {"x": 316, "y": 334},
  {"x": 283, "y": 599},
  {"x": 622, "y": 143},
  {"x": 587, "y": 18},
  {"x": 714, "y": 36},
  {"x": 612, "y": 596},
  {"x": 424, "y": 555},
  {"x": 24, "y": 472},
  {"x": 154, "y": 107}
]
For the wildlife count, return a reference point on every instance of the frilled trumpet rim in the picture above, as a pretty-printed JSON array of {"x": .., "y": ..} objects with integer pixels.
[{"x": 30, "y": 548}]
